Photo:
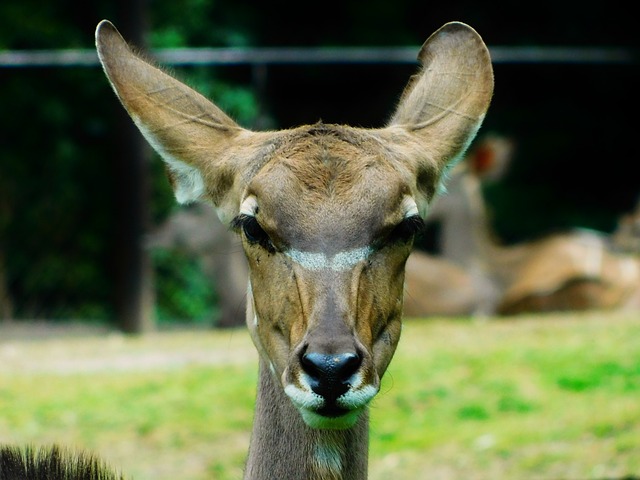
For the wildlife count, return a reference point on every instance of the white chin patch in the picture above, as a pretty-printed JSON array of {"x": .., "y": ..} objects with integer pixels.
[
  {"x": 308, "y": 403},
  {"x": 354, "y": 399},
  {"x": 315, "y": 420},
  {"x": 303, "y": 399}
]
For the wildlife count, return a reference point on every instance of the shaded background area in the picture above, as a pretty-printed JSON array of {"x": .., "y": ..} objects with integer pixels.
[{"x": 65, "y": 186}]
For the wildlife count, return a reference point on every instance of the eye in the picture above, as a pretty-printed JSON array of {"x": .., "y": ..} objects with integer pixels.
[
  {"x": 406, "y": 230},
  {"x": 253, "y": 232}
]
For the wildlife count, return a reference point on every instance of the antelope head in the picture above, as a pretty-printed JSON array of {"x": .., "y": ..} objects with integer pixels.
[{"x": 327, "y": 213}]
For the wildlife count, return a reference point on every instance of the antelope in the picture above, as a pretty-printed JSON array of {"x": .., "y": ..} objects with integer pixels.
[
  {"x": 327, "y": 215},
  {"x": 573, "y": 270}
]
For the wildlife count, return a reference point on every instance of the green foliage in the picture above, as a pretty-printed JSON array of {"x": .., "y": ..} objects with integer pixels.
[
  {"x": 32, "y": 24},
  {"x": 209, "y": 24},
  {"x": 56, "y": 192},
  {"x": 183, "y": 291}
]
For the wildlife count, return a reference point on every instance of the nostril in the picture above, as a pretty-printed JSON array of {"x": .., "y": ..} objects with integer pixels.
[
  {"x": 312, "y": 364},
  {"x": 330, "y": 368},
  {"x": 348, "y": 365}
]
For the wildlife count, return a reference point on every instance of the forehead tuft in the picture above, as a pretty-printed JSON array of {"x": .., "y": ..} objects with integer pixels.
[{"x": 332, "y": 161}]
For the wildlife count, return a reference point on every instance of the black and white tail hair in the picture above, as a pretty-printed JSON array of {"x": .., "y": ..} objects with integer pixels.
[{"x": 51, "y": 463}]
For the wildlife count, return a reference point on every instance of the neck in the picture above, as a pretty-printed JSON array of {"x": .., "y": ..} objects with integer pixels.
[{"x": 284, "y": 447}]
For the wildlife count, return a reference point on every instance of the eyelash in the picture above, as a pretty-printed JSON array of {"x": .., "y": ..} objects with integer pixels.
[
  {"x": 406, "y": 230},
  {"x": 252, "y": 231},
  {"x": 255, "y": 234}
]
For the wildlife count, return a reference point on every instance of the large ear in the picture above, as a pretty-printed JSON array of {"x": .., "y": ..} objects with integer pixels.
[
  {"x": 443, "y": 105},
  {"x": 189, "y": 132}
]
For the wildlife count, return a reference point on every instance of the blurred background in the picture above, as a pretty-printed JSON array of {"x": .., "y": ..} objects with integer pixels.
[{"x": 80, "y": 194}]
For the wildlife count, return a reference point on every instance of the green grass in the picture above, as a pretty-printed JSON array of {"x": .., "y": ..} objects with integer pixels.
[{"x": 548, "y": 397}]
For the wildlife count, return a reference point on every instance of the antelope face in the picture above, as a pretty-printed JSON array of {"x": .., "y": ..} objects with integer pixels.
[
  {"x": 327, "y": 228},
  {"x": 327, "y": 214}
]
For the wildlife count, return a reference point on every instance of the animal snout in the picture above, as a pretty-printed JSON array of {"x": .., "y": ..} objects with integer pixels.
[{"x": 329, "y": 374}]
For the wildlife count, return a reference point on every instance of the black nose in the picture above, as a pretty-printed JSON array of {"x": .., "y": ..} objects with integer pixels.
[{"x": 329, "y": 374}]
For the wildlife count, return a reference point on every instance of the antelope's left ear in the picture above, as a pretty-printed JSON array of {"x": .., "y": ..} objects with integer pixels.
[
  {"x": 443, "y": 105},
  {"x": 205, "y": 151}
]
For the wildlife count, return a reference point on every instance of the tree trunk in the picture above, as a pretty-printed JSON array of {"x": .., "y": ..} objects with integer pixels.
[
  {"x": 6, "y": 302},
  {"x": 134, "y": 299}
]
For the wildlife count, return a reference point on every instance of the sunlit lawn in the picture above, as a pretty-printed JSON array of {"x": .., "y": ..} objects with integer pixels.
[{"x": 554, "y": 397}]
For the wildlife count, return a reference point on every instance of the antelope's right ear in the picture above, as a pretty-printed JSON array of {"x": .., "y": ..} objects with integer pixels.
[
  {"x": 190, "y": 133},
  {"x": 444, "y": 104}
]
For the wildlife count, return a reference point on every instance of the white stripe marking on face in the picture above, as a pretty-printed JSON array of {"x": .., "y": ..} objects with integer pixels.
[
  {"x": 349, "y": 258},
  {"x": 339, "y": 262}
]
